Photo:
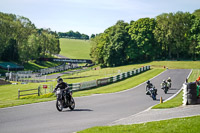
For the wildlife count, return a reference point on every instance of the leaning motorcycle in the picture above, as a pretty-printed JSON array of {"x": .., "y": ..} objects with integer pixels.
[
  {"x": 165, "y": 87},
  {"x": 62, "y": 100},
  {"x": 152, "y": 92}
]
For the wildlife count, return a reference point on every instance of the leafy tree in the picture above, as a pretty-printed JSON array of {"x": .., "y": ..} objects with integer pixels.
[
  {"x": 92, "y": 36},
  {"x": 195, "y": 38},
  {"x": 21, "y": 41},
  {"x": 197, "y": 13},
  {"x": 143, "y": 43},
  {"x": 109, "y": 48}
]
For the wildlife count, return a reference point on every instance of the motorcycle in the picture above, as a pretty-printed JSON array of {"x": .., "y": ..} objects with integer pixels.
[
  {"x": 164, "y": 86},
  {"x": 62, "y": 100},
  {"x": 152, "y": 92}
]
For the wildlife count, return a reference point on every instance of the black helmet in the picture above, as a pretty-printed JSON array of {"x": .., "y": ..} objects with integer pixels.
[
  {"x": 148, "y": 82},
  {"x": 59, "y": 80}
]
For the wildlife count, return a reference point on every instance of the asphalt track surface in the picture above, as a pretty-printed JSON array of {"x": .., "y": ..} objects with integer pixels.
[{"x": 95, "y": 110}]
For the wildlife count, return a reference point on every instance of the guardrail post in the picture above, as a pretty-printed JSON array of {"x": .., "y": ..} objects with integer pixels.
[{"x": 18, "y": 93}]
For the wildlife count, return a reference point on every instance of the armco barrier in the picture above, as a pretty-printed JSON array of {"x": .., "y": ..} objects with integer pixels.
[
  {"x": 105, "y": 81},
  {"x": 89, "y": 84}
]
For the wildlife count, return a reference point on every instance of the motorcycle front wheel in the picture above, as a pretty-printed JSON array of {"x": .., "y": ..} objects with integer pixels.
[
  {"x": 72, "y": 104},
  {"x": 59, "y": 105}
]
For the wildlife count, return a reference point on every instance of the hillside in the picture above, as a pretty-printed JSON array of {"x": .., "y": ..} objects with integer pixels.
[{"x": 75, "y": 49}]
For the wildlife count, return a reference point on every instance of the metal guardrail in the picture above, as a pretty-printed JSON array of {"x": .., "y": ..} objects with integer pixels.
[{"x": 108, "y": 80}]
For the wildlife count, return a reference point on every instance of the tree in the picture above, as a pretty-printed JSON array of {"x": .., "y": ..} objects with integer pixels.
[
  {"x": 21, "y": 41},
  {"x": 197, "y": 13},
  {"x": 109, "y": 47},
  {"x": 92, "y": 36},
  {"x": 195, "y": 38},
  {"x": 143, "y": 43}
]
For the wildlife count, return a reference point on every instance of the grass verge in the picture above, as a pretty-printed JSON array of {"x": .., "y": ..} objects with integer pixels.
[
  {"x": 75, "y": 49},
  {"x": 177, "y": 125}
]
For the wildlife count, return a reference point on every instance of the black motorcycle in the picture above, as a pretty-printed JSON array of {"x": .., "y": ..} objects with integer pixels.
[
  {"x": 164, "y": 86},
  {"x": 152, "y": 92},
  {"x": 63, "y": 100}
]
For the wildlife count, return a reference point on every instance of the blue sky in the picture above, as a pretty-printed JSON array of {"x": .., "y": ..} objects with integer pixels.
[{"x": 91, "y": 16}]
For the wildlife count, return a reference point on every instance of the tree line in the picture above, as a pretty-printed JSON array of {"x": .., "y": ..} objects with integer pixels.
[
  {"x": 169, "y": 36},
  {"x": 21, "y": 41},
  {"x": 73, "y": 35}
]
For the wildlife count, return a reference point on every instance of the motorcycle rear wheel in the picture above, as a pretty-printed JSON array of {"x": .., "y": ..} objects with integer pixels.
[
  {"x": 59, "y": 105},
  {"x": 153, "y": 97}
]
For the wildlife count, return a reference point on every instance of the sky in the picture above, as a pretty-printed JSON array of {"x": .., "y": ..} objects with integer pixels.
[{"x": 91, "y": 16}]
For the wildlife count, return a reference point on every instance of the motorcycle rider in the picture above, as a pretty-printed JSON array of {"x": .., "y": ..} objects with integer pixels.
[
  {"x": 169, "y": 79},
  {"x": 63, "y": 85},
  {"x": 169, "y": 82},
  {"x": 164, "y": 83},
  {"x": 149, "y": 86}
]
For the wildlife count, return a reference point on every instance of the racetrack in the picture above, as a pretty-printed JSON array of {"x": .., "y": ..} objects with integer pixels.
[{"x": 96, "y": 110}]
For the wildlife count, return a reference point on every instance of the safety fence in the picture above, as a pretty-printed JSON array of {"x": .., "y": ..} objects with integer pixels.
[
  {"x": 41, "y": 90},
  {"x": 109, "y": 80}
]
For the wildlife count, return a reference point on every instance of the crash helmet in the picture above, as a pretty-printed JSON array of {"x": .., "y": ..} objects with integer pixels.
[
  {"x": 148, "y": 82},
  {"x": 59, "y": 80},
  {"x": 169, "y": 78}
]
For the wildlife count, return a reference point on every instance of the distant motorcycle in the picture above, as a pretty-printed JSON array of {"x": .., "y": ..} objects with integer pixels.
[
  {"x": 152, "y": 91},
  {"x": 63, "y": 100},
  {"x": 165, "y": 86}
]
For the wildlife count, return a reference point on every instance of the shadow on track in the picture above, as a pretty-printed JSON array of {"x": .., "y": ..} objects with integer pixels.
[{"x": 78, "y": 110}]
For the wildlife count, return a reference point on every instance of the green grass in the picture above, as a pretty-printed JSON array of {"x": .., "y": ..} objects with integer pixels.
[
  {"x": 75, "y": 49},
  {"x": 194, "y": 75},
  {"x": 175, "y": 64},
  {"x": 41, "y": 65},
  {"x": 9, "y": 95},
  {"x": 175, "y": 102},
  {"x": 177, "y": 125}
]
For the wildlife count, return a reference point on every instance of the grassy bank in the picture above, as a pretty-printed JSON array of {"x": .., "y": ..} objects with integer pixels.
[
  {"x": 178, "y": 125},
  {"x": 75, "y": 49},
  {"x": 175, "y": 64}
]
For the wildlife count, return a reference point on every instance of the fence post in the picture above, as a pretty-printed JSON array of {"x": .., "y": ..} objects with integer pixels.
[
  {"x": 18, "y": 93},
  {"x": 39, "y": 91}
]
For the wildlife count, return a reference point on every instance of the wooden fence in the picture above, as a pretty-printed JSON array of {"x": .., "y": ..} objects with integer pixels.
[{"x": 19, "y": 91}]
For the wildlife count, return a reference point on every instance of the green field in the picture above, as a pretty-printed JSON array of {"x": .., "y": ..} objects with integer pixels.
[
  {"x": 75, "y": 49},
  {"x": 177, "y": 125},
  {"x": 175, "y": 64}
]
